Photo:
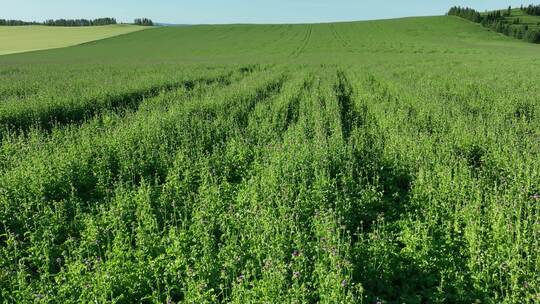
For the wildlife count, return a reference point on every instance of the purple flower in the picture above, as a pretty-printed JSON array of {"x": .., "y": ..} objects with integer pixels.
[
  {"x": 344, "y": 283},
  {"x": 296, "y": 253}
]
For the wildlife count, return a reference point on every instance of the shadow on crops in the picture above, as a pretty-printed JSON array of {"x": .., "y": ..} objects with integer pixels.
[
  {"x": 383, "y": 264},
  {"x": 389, "y": 267},
  {"x": 351, "y": 115}
]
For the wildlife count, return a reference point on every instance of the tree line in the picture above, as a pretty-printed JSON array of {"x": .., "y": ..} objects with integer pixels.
[
  {"x": 533, "y": 10},
  {"x": 496, "y": 21},
  {"x": 466, "y": 13},
  {"x": 74, "y": 22},
  {"x": 4, "y": 22},
  {"x": 80, "y": 22}
]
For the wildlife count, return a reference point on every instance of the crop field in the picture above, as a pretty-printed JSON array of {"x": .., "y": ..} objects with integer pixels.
[
  {"x": 393, "y": 161},
  {"x": 18, "y": 39}
]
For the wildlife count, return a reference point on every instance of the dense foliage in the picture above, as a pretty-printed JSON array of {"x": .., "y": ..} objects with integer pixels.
[
  {"x": 143, "y": 22},
  {"x": 372, "y": 162}
]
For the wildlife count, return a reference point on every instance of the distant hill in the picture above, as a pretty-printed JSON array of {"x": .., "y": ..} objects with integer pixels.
[{"x": 347, "y": 41}]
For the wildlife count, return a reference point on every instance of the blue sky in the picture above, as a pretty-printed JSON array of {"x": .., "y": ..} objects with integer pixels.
[{"x": 236, "y": 11}]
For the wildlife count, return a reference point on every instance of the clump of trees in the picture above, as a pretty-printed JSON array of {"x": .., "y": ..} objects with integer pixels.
[
  {"x": 144, "y": 22},
  {"x": 104, "y": 21},
  {"x": 466, "y": 13},
  {"x": 532, "y": 36},
  {"x": 496, "y": 21},
  {"x": 491, "y": 18},
  {"x": 533, "y": 10},
  {"x": 4, "y": 22}
]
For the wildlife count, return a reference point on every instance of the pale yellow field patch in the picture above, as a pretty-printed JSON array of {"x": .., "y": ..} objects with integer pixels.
[{"x": 18, "y": 39}]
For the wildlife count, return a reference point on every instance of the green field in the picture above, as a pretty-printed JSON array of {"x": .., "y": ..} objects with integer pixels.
[
  {"x": 392, "y": 161},
  {"x": 18, "y": 39}
]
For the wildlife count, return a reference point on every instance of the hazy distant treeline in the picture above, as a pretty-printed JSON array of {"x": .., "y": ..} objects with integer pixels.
[
  {"x": 80, "y": 22},
  {"x": 74, "y": 22},
  {"x": 61, "y": 22},
  {"x": 4, "y": 22}
]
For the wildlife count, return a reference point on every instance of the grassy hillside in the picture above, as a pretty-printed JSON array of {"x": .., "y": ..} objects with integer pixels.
[
  {"x": 524, "y": 19},
  {"x": 392, "y": 161},
  {"x": 532, "y": 21},
  {"x": 516, "y": 23},
  {"x": 227, "y": 44},
  {"x": 17, "y": 39}
]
